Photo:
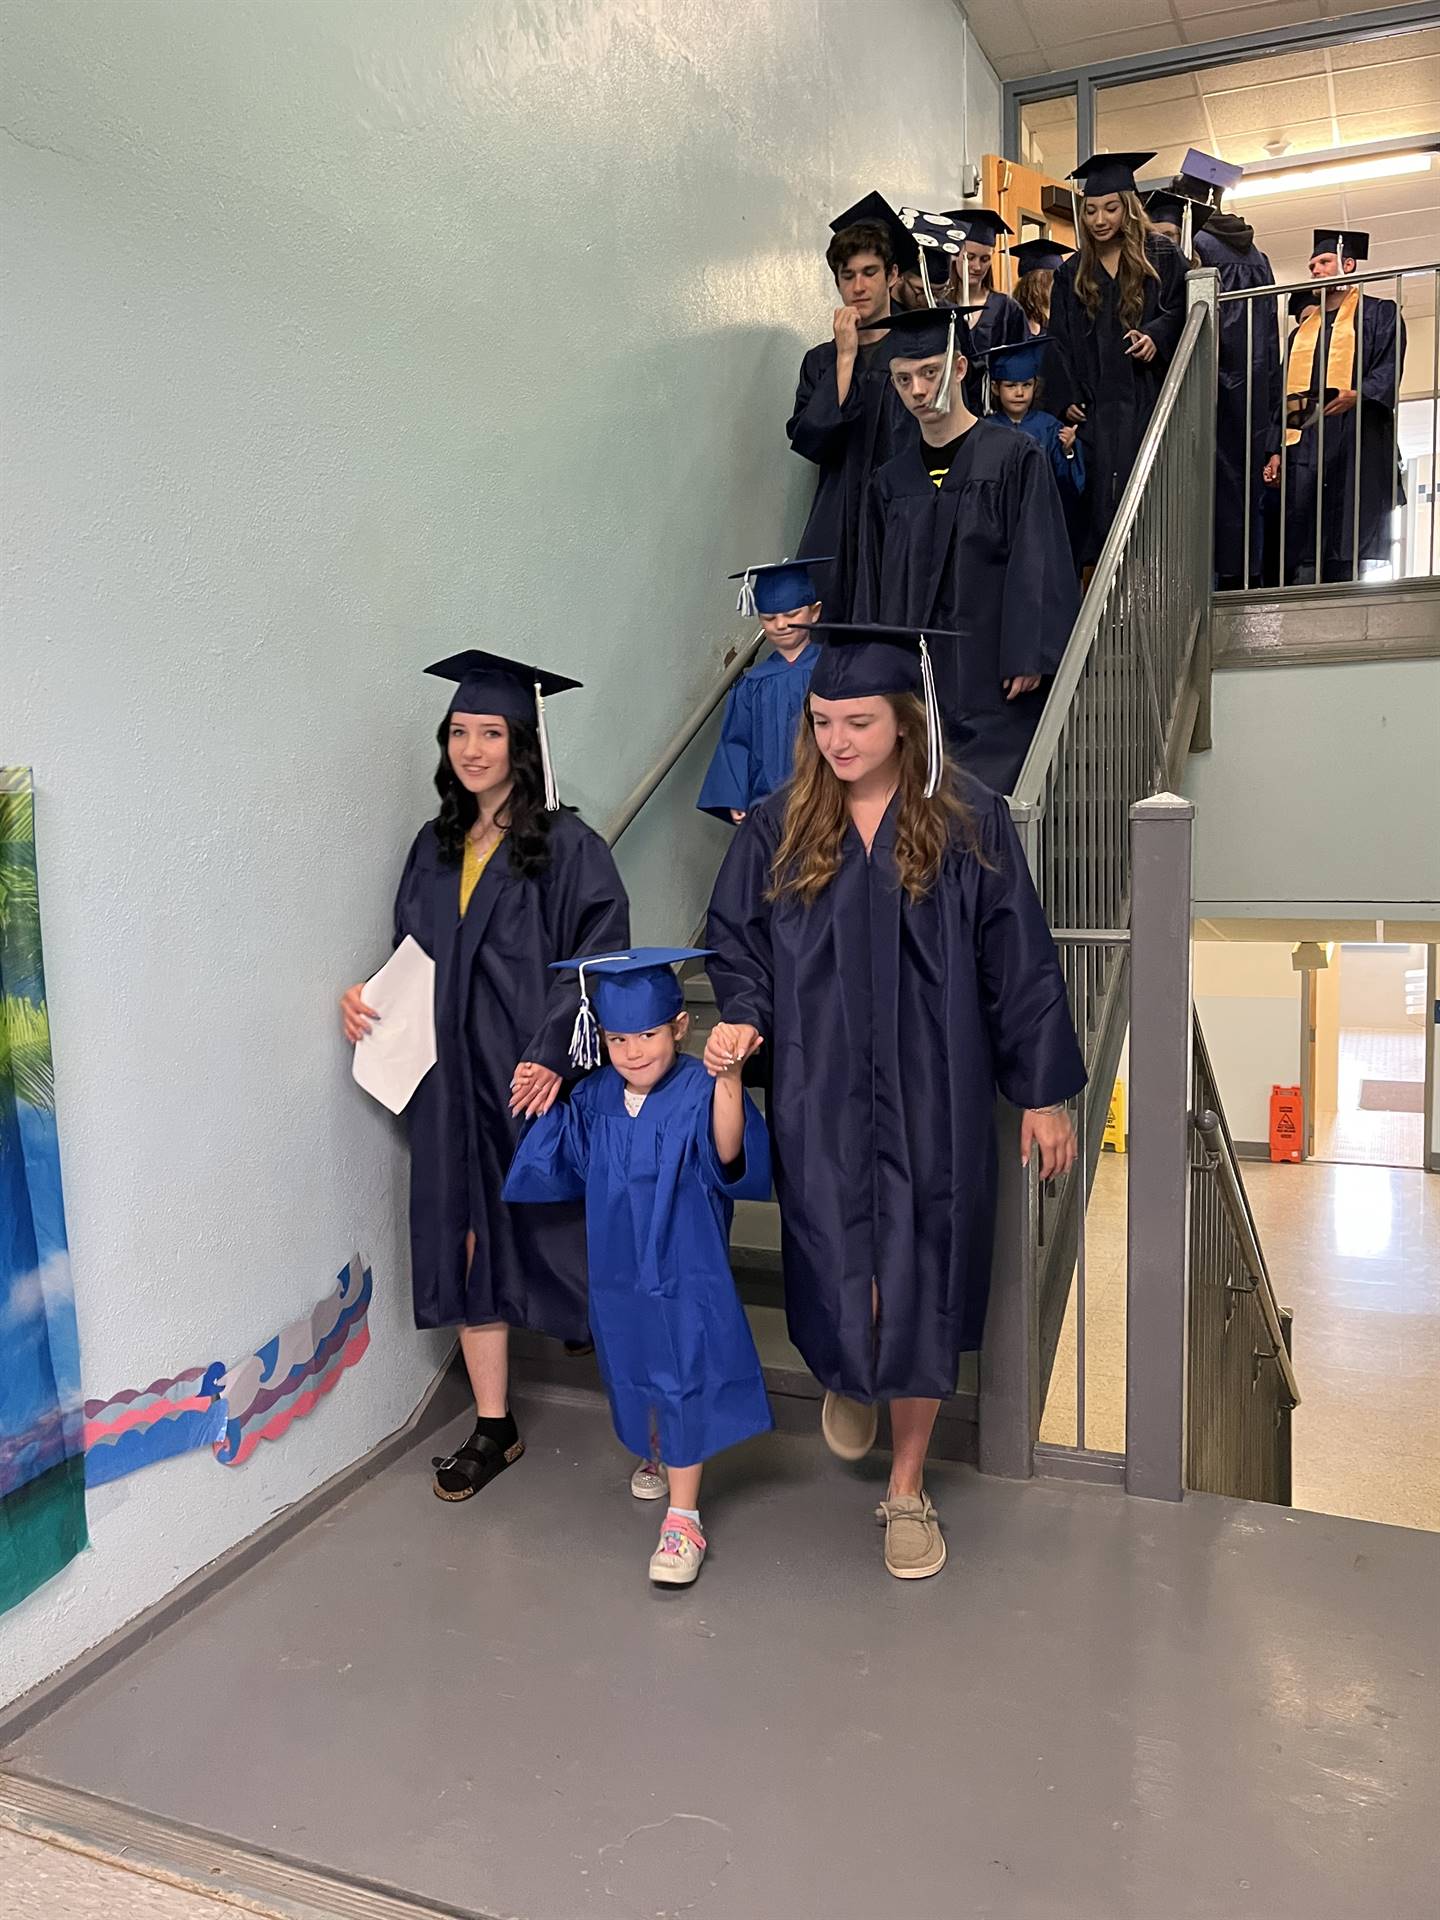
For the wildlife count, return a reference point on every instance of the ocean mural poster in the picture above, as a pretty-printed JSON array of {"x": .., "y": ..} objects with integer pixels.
[{"x": 42, "y": 1420}]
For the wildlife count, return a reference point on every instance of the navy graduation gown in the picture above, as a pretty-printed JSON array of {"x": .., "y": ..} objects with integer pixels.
[
  {"x": 755, "y": 753},
  {"x": 890, "y": 1025},
  {"x": 847, "y": 444},
  {"x": 1382, "y": 347},
  {"x": 670, "y": 1332},
  {"x": 984, "y": 555},
  {"x": 1001, "y": 323},
  {"x": 1249, "y": 353},
  {"x": 496, "y": 1005},
  {"x": 1087, "y": 365}
]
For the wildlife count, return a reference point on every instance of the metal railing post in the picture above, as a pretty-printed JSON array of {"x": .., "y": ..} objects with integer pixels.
[
  {"x": 1202, "y": 289},
  {"x": 1010, "y": 1355},
  {"x": 1159, "y": 1179}
]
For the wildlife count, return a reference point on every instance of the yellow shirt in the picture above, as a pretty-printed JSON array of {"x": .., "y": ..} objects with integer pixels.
[{"x": 471, "y": 868}]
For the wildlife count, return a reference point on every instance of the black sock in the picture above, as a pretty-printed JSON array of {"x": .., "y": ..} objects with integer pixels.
[{"x": 502, "y": 1431}]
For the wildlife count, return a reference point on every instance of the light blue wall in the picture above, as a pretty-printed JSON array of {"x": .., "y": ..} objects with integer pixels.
[
  {"x": 1321, "y": 796},
  {"x": 342, "y": 333}
]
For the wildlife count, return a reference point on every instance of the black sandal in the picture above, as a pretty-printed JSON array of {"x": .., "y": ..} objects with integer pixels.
[{"x": 462, "y": 1474}]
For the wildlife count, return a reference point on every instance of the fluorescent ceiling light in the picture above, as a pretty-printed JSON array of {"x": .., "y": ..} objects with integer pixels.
[{"x": 1330, "y": 173}]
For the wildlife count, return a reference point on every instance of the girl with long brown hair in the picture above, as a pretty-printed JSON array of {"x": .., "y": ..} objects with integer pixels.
[
  {"x": 875, "y": 928},
  {"x": 1116, "y": 310}
]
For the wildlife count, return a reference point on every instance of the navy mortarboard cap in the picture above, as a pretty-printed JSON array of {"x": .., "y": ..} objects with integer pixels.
[
  {"x": 928, "y": 330},
  {"x": 1021, "y": 360},
  {"x": 859, "y": 659},
  {"x": 1203, "y": 177},
  {"x": 1172, "y": 207},
  {"x": 1035, "y": 256},
  {"x": 632, "y": 992},
  {"x": 937, "y": 239},
  {"x": 981, "y": 225},
  {"x": 1345, "y": 242},
  {"x": 876, "y": 211},
  {"x": 1106, "y": 173},
  {"x": 489, "y": 683},
  {"x": 779, "y": 586}
]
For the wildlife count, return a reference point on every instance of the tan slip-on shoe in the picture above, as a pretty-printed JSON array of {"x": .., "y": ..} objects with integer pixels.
[
  {"x": 914, "y": 1544},
  {"x": 849, "y": 1426}
]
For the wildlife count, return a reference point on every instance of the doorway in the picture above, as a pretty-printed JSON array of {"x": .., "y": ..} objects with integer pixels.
[{"x": 1368, "y": 1064}]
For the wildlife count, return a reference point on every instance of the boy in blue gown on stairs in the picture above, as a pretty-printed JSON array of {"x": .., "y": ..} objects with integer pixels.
[
  {"x": 659, "y": 1151},
  {"x": 756, "y": 749}
]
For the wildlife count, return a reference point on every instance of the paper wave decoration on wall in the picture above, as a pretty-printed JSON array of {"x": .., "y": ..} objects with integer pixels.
[
  {"x": 138, "y": 1427},
  {"x": 287, "y": 1377}
]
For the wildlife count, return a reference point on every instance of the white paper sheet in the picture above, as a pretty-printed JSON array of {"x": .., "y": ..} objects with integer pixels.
[{"x": 399, "y": 1050}]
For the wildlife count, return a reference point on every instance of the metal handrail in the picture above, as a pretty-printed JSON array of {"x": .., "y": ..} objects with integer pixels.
[
  {"x": 1030, "y": 786},
  {"x": 626, "y": 812},
  {"x": 1211, "y": 1131},
  {"x": 1340, "y": 283}
]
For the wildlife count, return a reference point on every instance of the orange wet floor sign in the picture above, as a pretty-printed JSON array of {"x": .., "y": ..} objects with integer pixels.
[{"x": 1286, "y": 1123}]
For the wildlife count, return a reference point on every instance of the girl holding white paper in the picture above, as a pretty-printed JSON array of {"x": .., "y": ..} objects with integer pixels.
[{"x": 503, "y": 882}]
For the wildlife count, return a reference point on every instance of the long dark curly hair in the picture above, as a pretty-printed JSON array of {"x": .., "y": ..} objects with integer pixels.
[{"x": 523, "y": 816}]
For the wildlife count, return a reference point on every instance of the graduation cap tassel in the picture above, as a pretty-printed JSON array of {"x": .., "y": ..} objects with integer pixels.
[
  {"x": 1185, "y": 233},
  {"x": 942, "y": 392},
  {"x": 925, "y": 279},
  {"x": 547, "y": 766},
  {"x": 745, "y": 601},
  {"x": 934, "y": 735},
  {"x": 585, "y": 1035}
]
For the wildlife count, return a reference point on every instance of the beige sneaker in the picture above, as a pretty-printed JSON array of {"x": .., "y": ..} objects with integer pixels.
[
  {"x": 914, "y": 1544},
  {"x": 650, "y": 1481},
  {"x": 849, "y": 1426},
  {"x": 676, "y": 1561}
]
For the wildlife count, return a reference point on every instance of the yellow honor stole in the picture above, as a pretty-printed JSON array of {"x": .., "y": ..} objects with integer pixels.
[{"x": 1339, "y": 361}]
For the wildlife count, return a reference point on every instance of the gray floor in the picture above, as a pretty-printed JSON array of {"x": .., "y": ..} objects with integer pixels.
[{"x": 1102, "y": 1709}]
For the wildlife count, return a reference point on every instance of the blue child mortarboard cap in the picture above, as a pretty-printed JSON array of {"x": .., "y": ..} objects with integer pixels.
[
  {"x": 1204, "y": 177},
  {"x": 1034, "y": 256},
  {"x": 860, "y": 659},
  {"x": 489, "y": 683},
  {"x": 1106, "y": 173},
  {"x": 632, "y": 992},
  {"x": 778, "y": 586},
  {"x": 1021, "y": 360}
]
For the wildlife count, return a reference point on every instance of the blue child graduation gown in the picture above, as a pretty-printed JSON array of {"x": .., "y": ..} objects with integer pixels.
[
  {"x": 756, "y": 750},
  {"x": 985, "y": 555},
  {"x": 890, "y": 1025},
  {"x": 670, "y": 1332},
  {"x": 496, "y": 1004}
]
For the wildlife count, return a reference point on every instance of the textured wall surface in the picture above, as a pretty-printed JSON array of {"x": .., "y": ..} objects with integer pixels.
[
  {"x": 341, "y": 334},
  {"x": 1340, "y": 764}
]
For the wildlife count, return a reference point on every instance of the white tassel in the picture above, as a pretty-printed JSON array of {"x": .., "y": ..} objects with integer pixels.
[
  {"x": 934, "y": 732},
  {"x": 942, "y": 392},
  {"x": 985, "y": 390},
  {"x": 1186, "y": 236},
  {"x": 745, "y": 600},
  {"x": 585, "y": 1048},
  {"x": 965, "y": 279},
  {"x": 547, "y": 766},
  {"x": 925, "y": 278}
]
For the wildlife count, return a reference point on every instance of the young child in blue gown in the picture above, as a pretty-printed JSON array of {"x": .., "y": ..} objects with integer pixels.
[
  {"x": 756, "y": 749},
  {"x": 659, "y": 1151},
  {"x": 1014, "y": 396}
]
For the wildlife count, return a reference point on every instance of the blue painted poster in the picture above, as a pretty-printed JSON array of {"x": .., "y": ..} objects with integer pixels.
[{"x": 42, "y": 1421}]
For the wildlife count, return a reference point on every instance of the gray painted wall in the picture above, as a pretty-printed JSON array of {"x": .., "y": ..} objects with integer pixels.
[
  {"x": 341, "y": 334},
  {"x": 1321, "y": 796}
]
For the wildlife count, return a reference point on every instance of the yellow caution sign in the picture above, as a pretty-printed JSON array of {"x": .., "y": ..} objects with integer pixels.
[{"x": 1114, "y": 1140}]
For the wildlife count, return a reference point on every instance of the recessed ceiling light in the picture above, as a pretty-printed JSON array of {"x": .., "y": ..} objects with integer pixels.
[{"x": 1329, "y": 173}]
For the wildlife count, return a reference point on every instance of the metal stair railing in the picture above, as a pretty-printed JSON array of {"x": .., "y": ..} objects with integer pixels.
[{"x": 1130, "y": 699}]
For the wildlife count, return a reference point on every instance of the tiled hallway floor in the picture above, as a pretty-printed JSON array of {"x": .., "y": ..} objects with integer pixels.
[
  {"x": 1355, "y": 1251},
  {"x": 1103, "y": 1709}
]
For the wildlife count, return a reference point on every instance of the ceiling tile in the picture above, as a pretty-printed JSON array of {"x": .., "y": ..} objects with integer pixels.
[
  {"x": 1403, "y": 83},
  {"x": 1418, "y": 194},
  {"x": 1111, "y": 46},
  {"x": 1391, "y": 123},
  {"x": 1002, "y": 29},
  {"x": 1089, "y": 19},
  {"x": 1019, "y": 66},
  {"x": 1270, "y": 108},
  {"x": 1305, "y": 136},
  {"x": 1122, "y": 130},
  {"x": 1257, "y": 15},
  {"x": 1150, "y": 93},
  {"x": 1391, "y": 46},
  {"x": 1200, "y": 27},
  {"x": 1261, "y": 73}
]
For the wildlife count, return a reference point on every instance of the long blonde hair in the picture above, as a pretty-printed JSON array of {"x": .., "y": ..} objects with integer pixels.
[
  {"x": 1136, "y": 266},
  {"x": 1032, "y": 295},
  {"x": 816, "y": 816}
]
